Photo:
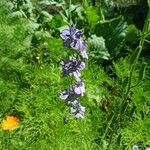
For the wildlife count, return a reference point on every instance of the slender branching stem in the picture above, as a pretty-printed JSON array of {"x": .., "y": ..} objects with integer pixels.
[{"x": 124, "y": 104}]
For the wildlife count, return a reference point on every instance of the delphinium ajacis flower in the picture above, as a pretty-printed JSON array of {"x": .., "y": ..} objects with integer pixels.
[
  {"x": 77, "y": 109},
  {"x": 73, "y": 92},
  {"x": 73, "y": 67},
  {"x": 72, "y": 38}
]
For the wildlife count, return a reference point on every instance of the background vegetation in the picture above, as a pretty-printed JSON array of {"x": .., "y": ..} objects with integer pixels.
[{"x": 117, "y": 74}]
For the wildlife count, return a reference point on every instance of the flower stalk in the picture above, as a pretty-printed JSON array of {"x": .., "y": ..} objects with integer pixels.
[
  {"x": 72, "y": 67},
  {"x": 124, "y": 104}
]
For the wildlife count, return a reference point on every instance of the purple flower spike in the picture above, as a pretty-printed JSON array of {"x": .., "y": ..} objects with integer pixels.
[
  {"x": 75, "y": 103},
  {"x": 79, "y": 88},
  {"x": 135, "y": 147},
  {"x": 68, "y": 95},
  {"x": 72, "y": 110},
  {"x": 65, "y": 120},
  {"x": 80, "y": 46},
  {"x": 78, "y": 111},
  {"x": 78, "y": 34},
  {"x": 73, "y": 92},
  {"x": 73, "y": 67},
  {"x": 71, "y": 38},
  {"x": 69, "y": 35},
  {"x": 64, "y": 95},
  {"x": 79, "y": 115},
  {"x": 72, "y": 30},
  {"x": 65, "y": 34}
]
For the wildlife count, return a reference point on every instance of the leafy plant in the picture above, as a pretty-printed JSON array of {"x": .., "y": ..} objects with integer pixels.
[
  {"x": 114, "y": 32},
  {"x": 97, "y": 48}
]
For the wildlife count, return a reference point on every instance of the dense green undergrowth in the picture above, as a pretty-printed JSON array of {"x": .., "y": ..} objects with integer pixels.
[{"x": 31, "y": 80}]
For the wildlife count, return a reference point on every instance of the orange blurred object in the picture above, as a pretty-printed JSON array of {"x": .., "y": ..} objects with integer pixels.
[{"x": 10, "y": 123}]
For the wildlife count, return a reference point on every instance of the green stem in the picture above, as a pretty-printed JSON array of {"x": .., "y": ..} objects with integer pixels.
[
  {"x": 141, "y": 44},
  {"x": 124, "y": 103},
  {"x": 107, "y": 128},
  {"x": 69, "y": 12},
  {"x": 139, "y": 50}
]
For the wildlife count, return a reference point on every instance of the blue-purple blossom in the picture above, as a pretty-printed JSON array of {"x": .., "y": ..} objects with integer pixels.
[
  {"x": 68, "y": 94},
  {"x": 65, "y": 120},
  {"x": 73, "y": 92},
  {"x": 72, "y": 110},
  {"x": 78, "y": 110},
  {"x": 135, "y": 147},
  {"x": 80, "y": 46},
  {"x": 69, "y": 35},
  {"x": 72, "y": 37},
  {"x": 73, "y": 102},
  {"x": 79, "y": 88},
  {"x": 73, "y": 67}
]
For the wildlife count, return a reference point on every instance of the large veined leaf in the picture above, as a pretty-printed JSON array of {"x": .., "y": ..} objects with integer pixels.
[
  {"x": 72, "y": 14},
  {"x": 76, "y": 11},
  {"x": 113, "y": 31},
  {"x": 97, "y": 48}
]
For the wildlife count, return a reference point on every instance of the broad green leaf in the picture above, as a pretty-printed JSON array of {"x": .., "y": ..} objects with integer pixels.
[
  {"x": 114, "y": 32},
  {"x": 97, "y": 47}
]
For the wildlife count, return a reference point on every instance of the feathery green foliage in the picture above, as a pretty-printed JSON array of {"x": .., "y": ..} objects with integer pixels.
[{"x": 117, "y": 108}]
